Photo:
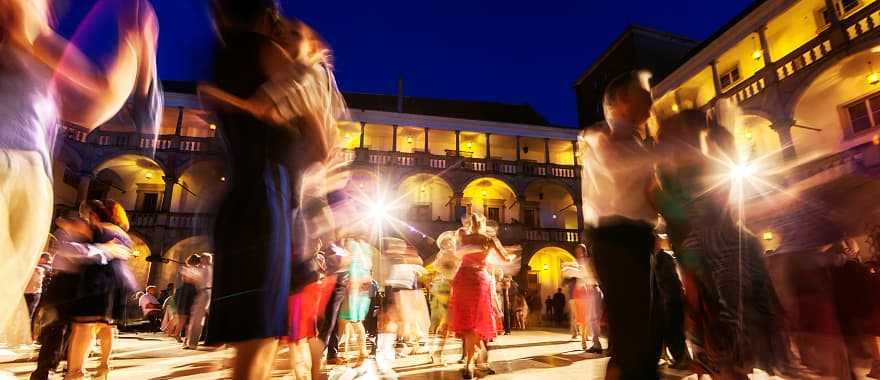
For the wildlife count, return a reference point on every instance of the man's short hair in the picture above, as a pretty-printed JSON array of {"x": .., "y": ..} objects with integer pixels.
[{"x": 150, "y": 287}]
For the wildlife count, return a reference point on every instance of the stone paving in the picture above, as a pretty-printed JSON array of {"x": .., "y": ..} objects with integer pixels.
[{"x": 522, "y": 355}]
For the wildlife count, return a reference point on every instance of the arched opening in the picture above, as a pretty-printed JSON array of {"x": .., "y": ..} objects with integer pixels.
[
  {"x": 425, "y": 198},
  {"x": 137, "y": 182},
  {"x": 492, "y": 197},
  {"x": 199, "y": 188},
  {"x": 840, "y": 107},
  {"x": 167, "y": 272},
  {"x": 545, "y": 271},
  {"x": 756, "y": 140},
  {"x": 549, "y": 205},
  {"x": 138, "y": 263}
]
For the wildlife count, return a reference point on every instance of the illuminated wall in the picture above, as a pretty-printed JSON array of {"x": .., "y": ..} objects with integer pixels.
[
  {"x": 439, "y": 142},
  {"x": 818, "y": 106},
  {"x": 126, "y": 177},
  {"x": 746, "y": 56},
  {"x": 349, "y": 134},
  {"x": 695, "y": 92},
  {"x": 378, "y": 137},
  {"x": 473, "y": 144},
  {"x": 547, "y": 264},
  {"x": 429, "y": 190},
  {"x": 410, "y": 139},
  {"x": 755, "y": 139},
  {"x": 199, "y": 188},
  {"x": 561, "y": 152},
  {"x": 794, "y": 27},
  {"x": 504, "y": 147},
  {"x": 532, "y": 149},
  {"x": 484, "y": 193}
]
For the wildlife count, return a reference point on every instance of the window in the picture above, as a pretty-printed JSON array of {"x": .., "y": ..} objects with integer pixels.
[
  {"x": 493, "y": 213},
  {"x": 151, "y": 202},
  {"x": 864, "y": 114},
  {"x": 729, "y": 78}
]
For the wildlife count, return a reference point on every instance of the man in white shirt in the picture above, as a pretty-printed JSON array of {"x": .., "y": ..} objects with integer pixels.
[{"x": 150, "y": 304}]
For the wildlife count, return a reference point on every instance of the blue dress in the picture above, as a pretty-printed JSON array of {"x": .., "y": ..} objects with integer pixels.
[{"x": 252, "y": 234}]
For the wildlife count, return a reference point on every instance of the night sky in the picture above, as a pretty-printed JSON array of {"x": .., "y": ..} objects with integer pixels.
[{"x": 510, "y": 51}]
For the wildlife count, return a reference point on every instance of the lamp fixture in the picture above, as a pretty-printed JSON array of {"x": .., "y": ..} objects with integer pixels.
[
  {"x": 875, "y": 139},
  {"x": 149, "y": 175},
  {"x": 469, "y": 145},
  {"x": 483, "y": 193},
  {"x": 768, "y": 236},
  {"x": 674, "y": 107},
  {"x": 212, "y": 126},
  {"x": 409, "y": 140},
  {"x": 546, "y": 266},
  {"x": 222, "y": 179},
  {"x": 873, "y": 76},
  {"x": 757, "y": 54},
  {"x": 749, "y": 135}
]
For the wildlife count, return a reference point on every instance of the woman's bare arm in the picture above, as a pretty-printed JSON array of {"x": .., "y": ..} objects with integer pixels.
[{"x": 89, "y": 95}]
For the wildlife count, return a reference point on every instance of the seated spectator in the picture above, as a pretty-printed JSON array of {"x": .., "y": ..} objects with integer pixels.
[{"x": 150, "y": 305}]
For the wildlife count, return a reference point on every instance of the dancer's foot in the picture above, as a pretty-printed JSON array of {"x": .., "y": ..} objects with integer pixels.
[
  {"x": 335, "y": 361},
  {"x": 484, "y": 370},
  {"x": 437, "y": 358},
  {"x": 596, "y": 349},
  {"x": 74, "y": 375},
  {"x": 101, "y": 372},
  {"x": 467, "y": 374}
]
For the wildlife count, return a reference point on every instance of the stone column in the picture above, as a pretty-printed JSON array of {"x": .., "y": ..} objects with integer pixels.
[
  {"x": 363, "y": 129},
  {"x": 394, "y": 138},
  {"x": 458, "y": 143},
  {"x": 838, "y": 35},
  {"x": 169, "y": 191},
  {"x": 82, "y": 187},
  {"x": 716, "y": 79},
  {"x": 517, "y": 148},
  {"x": 426, "y": 140},
  {"x": 488, "y": 146},
  {"x": 574, "y": 152},
  {"x": 179, "y": 127},
  {"x": 783, "y": 129},
  {"x": 547, "y": 151}
]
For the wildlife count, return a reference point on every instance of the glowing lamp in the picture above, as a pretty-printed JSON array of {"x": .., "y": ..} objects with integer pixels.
[
  {"x": 149, "y": 175},
  {"x": 749, "y": 135},
  {"x": 409, "y": 140},
  {"x": 876, "y": 139},
  {"x": 469, "y": 146},
  {"x": 674, "y": 107},
  {"x": 554, "y": 216},
  {"x": 768, "y": 236},
  {"x": 741, "y": 171},
  {"x": 348, "y": 136},
  {"x": 222, "y": 179},
  {"x": 546, "y": 266},
  {"x": 873, "y": 78},
  {"x": 212, "y": 126},
  {"x": 483, "y": 193},
  {"x": 757, "y": 54},
  {"x": 378, "y": 210}
]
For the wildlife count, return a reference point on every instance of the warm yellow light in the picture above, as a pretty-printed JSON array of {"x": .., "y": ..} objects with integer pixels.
[
  {"x": 546, "y": 266},
  {"x": 222, "y": 179},
  {"x": 876, "y": 139},
  {"x": 409, "y": 140},
  {"x": 768, "y": 236},
  {"x": 674, "y": 107},
  {"x": 873, "y": 78},
  {"x": 469, "y": 146},
  {"x": 212, "y": 127},
  {"x": 757, "y": 54},
  {"x": 554, "y": 216},
  {"x": 348, "y": 136},
  {"x": 749, "y": 135},
  {"x": 423, "y": 189},
  {"x": 483, "y": 193},
  {"x": 149, "y": 175}
]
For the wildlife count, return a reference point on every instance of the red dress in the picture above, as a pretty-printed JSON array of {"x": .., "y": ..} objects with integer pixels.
[{"x": 470, "y": 306}]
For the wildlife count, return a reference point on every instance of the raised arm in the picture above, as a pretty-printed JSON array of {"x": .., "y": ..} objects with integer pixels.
[{"x": 89, "y": 94}]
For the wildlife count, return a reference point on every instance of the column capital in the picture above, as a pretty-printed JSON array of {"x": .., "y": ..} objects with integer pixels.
[{"x": 169, "y": 179}]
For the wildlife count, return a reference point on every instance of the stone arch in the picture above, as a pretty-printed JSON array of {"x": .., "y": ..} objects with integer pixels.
[
  {"x": 426, "y": 197},
  {"x": 179, "y": 251},
  {"x": 493, "y": 197},
  {"x": 200, "y": 186},
  {"x": 135, "y": 181},
  {"x": 549, "y": 203},
  {"x": 545, "y": 270},
  {"x": 814, "y": 103}
]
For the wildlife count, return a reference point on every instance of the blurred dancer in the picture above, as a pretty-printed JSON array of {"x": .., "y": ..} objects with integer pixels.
[
  {"x": 408, "y": 307},
  {"x": 357, "y": 300},
  {"x": 616, "y": 171},
  {"x": 269, "y": 98},
  {"x": 470, "y": 308},
  {"x": 43, "y": 78},
  {"x": 737, "y": 326},
  {"x": 580, "y": 282},
  {"x": 200, "y": 276},
  {"x": 34, "y": 288},
  {"x": 185, "y": 296},
  {"x": 446, "y": 265},
  {"x": 672, "y": 299},
  {"x": 103, "y": 287}
]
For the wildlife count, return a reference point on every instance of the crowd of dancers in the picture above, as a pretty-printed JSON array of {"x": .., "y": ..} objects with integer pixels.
[{"x": 296, "y": 262}]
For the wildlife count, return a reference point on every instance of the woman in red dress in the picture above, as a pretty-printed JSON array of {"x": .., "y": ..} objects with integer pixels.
[{"x": 471, "y": 315}]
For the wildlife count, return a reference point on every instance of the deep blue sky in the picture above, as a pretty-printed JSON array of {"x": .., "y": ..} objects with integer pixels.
[{"x": 512, "y": 51}]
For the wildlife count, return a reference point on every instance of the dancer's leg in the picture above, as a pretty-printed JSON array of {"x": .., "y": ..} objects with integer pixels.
[
  {"x": 105, "y": 336},
  {"x": 81, "y": 337},
  {"x": 253, "y": 359},
  {"x": 300, "y": 360},
  {"x": 316, "y": 351}
]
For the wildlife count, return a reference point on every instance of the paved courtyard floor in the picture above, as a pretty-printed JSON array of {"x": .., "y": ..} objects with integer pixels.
[{"x": 533, "y": 355}]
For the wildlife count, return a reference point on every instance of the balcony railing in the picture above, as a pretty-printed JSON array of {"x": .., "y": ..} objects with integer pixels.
[
  {"x": 133, "y": 140},
  {"x": 553, "y": 235},
  {"x": 172, "y": 220},
  {"x": 481, "y": 165}
]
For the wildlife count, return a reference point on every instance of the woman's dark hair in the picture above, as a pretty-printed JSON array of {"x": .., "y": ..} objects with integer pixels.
[{"x": 97, "y": 207}]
